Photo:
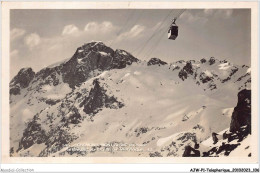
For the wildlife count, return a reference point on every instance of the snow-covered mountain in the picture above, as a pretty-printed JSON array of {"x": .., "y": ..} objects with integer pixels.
[{"x": 103, "y": 102}]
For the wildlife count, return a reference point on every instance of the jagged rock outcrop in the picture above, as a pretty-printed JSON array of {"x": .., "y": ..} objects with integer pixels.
[
  {"x": 191, "y": 152},
  {"x": 121, "y": 59},
  {"x": 240, "y": 128},
  {"x": 241, "y": 115},
  {"x": 97, "y": 99},
  {"x": 212, "y": 60},
  {"x": 33, "y": 134},
  {"x": 203, "y": 60},
  {"x": 186, "y": 70},
  {"x": 91, "y": 59},
  {"x": 156, "y": 61},
  {"x": 21, "y": 80},
  {"x": 88, "y": 61}
]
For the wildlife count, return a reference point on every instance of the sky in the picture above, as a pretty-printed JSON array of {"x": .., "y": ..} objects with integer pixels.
[{"x": 39, "y": 38}]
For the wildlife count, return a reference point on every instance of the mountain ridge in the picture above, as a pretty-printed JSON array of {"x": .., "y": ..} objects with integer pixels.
[{"x": 116, "y": 93}]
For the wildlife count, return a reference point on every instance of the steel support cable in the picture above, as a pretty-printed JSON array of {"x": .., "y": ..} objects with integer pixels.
[
  {"x": 180, "y": 13},
  {"x": 136, "y": 20},
  {"x": 160, "y": 33},
  {"x": 160, "y": 38},
  {"x": 123, "y": 28},
  {"x": 156, "y": 43},
  {"x": 154, "y": 33},
  {"x": 163, "y": 29}
]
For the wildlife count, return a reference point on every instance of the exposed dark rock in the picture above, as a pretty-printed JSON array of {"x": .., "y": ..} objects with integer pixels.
[
  {"x": 88, "y": 61},
  {"x": 183, "y": 75},
  {"x": 212, "y": 60},
  {"x": 225, "y": 148},
  {"x": 78, "y": 69},
  {"x": 33, "y": 134},
  {"x": 241, "y": 77},
  {"x": 215, "y": 138},
  {"x": 205, "y": 78},
  {"x": 49, "y": 101},
  {"x": 155, "y": 154},
  {"x": 93, "y": 56},
  {"x": 141, "y": 130},
  {"x": 11, "y": 152},
  {"x": 57, "y": 139},
  {"x": 15, "y": 90},
  {"x": 240, "y": 126},
  {"x": 203, "y": 60},
  {"x": 233, "y": 71},
  {"x": 52, "y": 101},
  {"x": 74, "y": 117},
  {"x": 21, "y": 80},
  {"x": 187, "y": 69},
  {"x": 241, "y": 115},
  {"x": 98, "y": 99},
  {"x": 191, "y": 152},
  {"x": 121, "y": 59},
  {"x": 188, "y": 136},
  {"x": 156, "y": 61}
]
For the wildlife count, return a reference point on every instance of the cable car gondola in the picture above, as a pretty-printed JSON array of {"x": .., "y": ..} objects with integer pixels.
[{"x": 173, "y": 31}]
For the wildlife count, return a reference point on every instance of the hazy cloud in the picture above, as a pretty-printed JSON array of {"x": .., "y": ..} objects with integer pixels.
[
  {"x": 70, "y": 29},
  {"x": 32, "y": 40},
  {"x": 104, "y": 27},
  {"x": 134, "y": 32},
  {"x": 16, "y": 33},
  {"x": 222, "y": 13},
  {"x": 192, "y": 18}
]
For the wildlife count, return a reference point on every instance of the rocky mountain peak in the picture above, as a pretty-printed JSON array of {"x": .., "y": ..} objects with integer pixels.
[
  {"x": 21, "y": 80},
  {"x": 186, "y": 71},
  {"x": 156, "y": 61},
  {"x": 91, "y": 59},
  {"x": 24, "y": 77},
  {"x": 95, "y": 46}
]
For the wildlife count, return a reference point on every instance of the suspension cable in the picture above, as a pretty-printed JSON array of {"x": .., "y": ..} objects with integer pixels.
[
  {"x": 154, "y": 33},
  {"x": 124, "y": 26},
  {"x": 161, "y": 36}
]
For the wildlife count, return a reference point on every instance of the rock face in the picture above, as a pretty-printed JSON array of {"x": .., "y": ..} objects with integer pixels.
[
  {"x": 121, "y": 59},
  {"x": 242, "y": 112},
  {"x": 156, "y": 61},
  {"x": 187, "y": 69},
  {"x": 91, "y": 59},
  {"x": 212, "y": 60},
  {"x": 88, "y": 61},
  {"x": 97, "y": 99},
  {"x": 191, "y": 152},
  {"x": 33, "y": 134},
  {"x": 21, "y": 80},
  {"x": 240, "y": 128}
]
